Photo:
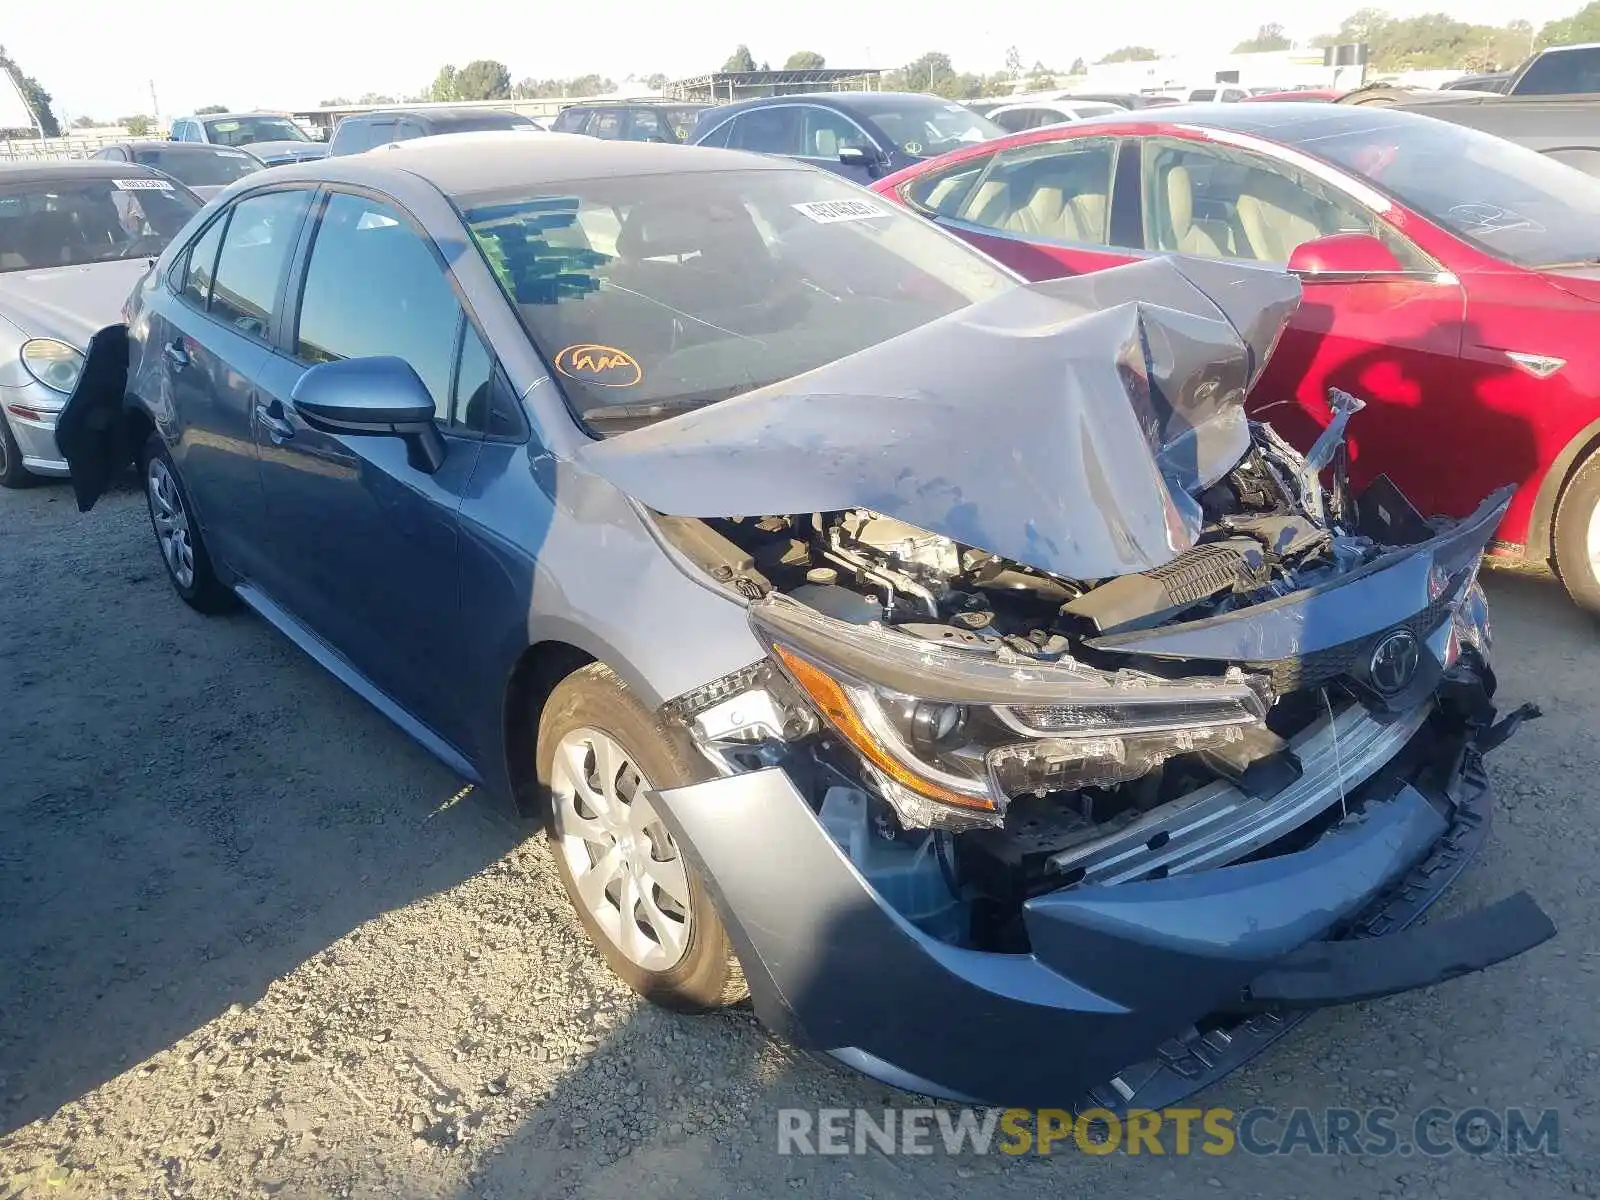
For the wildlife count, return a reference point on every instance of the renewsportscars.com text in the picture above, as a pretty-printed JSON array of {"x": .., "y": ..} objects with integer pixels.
[{"x": 1432, "y": 1132}]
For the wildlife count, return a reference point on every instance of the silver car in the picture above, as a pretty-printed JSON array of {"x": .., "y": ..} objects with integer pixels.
[{"x": 74, "y": 239}]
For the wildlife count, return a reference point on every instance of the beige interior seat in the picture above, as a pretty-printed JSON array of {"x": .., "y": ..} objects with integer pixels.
[
  {"x": 826, "y": 142},
  {"x": 1045, "y": 206},
  {"x": 1211, "y": 239},
  {"x": 1275, "y": 216}
]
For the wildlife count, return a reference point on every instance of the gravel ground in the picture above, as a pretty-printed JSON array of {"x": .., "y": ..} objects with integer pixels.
[{"x": 254, "y": 942}]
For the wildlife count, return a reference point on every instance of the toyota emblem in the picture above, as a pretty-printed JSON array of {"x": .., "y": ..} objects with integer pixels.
[{"x": 1394, "y": 662}]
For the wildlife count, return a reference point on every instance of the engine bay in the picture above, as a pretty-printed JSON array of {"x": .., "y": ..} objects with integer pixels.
[{"x": 1076, "y": 778}]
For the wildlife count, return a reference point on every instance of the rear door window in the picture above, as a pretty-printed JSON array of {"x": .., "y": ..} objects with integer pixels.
[
  {"x": 261, "y": 235},
  {"x": 201, "y": 265},
  {"x": 942, "y": 193},
  {"x": 775, "y": 130},
  {"x": 1056, "y": 191}
]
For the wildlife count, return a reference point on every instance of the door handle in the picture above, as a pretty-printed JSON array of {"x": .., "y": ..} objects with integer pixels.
[
  {"x": 270, "y": 417},
  {"x": 176, "y": 354}
]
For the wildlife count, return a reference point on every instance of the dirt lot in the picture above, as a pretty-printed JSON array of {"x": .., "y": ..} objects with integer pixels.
[{"x": 254, "y": 942}]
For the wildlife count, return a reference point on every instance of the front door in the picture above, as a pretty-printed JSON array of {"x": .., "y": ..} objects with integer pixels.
[
  {"x": 362, "y": 546},
  {"x": 1391, "y": 338}
]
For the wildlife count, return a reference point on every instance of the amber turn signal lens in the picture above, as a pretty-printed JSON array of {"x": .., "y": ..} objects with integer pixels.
[{"x": 830, "y": 698}]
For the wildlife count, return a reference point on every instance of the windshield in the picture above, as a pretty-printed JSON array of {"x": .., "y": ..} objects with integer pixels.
[
  {"x": 657, "y": 294},
  {"x": 200, "y": 168},
  {"x": 242, "y": 131},
  {"x": 1507, "y": 200},
  {"x": 924, "y": 126},
  {"x": 69, "y": 222}
]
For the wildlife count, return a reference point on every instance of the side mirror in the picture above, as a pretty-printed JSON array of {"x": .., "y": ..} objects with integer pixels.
[
  {"x": 860, "y": 156},
  {"x": 1343, "y": 254},
  {"x": 382, "y": 397}
]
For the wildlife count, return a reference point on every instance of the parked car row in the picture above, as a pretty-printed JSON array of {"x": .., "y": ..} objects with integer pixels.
[{"x": 868, "y": 616}]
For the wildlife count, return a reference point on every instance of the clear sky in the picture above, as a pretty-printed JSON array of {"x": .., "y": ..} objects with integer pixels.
[{"x": 97, "y": 58}]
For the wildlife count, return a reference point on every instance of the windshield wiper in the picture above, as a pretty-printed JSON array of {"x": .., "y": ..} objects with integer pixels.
[
  {"x": 618, "y": 413},
  {"x": 1575, "y": 264}
]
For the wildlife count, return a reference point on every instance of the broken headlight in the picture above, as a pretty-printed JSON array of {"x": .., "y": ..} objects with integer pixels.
[{"x": 950, "y": 734}]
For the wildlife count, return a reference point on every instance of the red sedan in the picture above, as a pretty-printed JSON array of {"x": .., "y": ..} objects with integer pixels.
[{"x": 1452, "y": 279}]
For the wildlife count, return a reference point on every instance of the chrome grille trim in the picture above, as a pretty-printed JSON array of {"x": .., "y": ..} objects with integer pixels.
[{"x": 1219, "y": 823}]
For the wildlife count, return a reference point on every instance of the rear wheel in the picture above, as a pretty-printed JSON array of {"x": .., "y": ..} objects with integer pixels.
[
  {"x": 1577, "y": 537},
  {"x": 183, "y": 550},
  {"x": 12, "y": 473},
  {"x": 601, "y": 754}
]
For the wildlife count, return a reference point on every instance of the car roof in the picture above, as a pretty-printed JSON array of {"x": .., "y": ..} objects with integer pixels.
[
  {"x": 438, "y": 116},
  {"x": 639, "y": 104},
  {"x": 1282, "y": 121},
  {"x": 469, "y": 163},
  {"x": 843, "y": 101},
  {"x": 227, "y": 115},
  {"x": 38, "y": 172},
  {"x": 165, "y": 145}
]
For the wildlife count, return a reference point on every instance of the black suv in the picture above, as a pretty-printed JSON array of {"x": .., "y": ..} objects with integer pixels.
[
  {"x": 630, "y": 122},
  {"x": 363, "y": 131}
]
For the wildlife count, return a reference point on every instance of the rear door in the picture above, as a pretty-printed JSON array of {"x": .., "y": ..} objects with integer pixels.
[
  {"x": 1046, "y": 209},
  {"x": 210, "y": 329},
  {"x": 361, "y": 546}
]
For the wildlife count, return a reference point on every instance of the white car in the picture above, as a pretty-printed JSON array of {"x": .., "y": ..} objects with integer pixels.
[
  {"x": 1033, "y": 114},
  {"x": 75, "y": 237}
]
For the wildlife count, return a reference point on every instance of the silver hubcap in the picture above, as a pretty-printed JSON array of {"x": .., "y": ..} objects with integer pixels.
[
  {"x": 1593, "y": 541},
  {"x": 171, "y": 522},
  {"x": 629, "y": 874}
]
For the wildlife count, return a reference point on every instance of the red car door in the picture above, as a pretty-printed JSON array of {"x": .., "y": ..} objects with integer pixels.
[{"x": 1391, "y": 336}]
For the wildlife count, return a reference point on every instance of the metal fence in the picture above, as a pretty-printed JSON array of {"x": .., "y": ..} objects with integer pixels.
[{"x": 33, "y": 149}]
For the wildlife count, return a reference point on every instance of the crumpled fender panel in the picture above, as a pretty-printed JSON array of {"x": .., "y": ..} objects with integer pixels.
[{"x": 1062, "y": 424}]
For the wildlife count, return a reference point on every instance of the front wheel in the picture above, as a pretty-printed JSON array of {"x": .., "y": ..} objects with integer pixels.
[
  {"x": 1577, "y": 537},
  {"x": 601, "y": 755},
  {"x": 12, "y": 473},
  {"x": 183, "y": 550}
]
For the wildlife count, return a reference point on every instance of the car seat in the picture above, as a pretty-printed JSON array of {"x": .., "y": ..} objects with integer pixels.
[
  {"x": 1186, "y": 234},
  {"x": 1276, "y": 216}
]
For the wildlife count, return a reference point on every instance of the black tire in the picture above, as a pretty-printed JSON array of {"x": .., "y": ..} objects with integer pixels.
[
  {"x": 204, "y": 592},
  {"x": 708, "y": 975},
  {"x": 1574, "y": 564},
  {"x": 12, "y": 473}
]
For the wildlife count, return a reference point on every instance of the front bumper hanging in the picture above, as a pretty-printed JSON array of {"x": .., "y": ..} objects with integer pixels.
[{"x": 1088, "y": 1018}]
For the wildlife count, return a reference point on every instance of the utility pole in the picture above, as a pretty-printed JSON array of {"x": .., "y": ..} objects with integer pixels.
[{"x": 155, "y": 106}]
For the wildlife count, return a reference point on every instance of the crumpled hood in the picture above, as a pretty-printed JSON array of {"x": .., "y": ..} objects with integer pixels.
[
  {"x": 70, "y": 303},
  {"x": 1066, "y": 425}
]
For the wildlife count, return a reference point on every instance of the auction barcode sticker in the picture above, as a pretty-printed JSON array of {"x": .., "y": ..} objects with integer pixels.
[
  {"x": 825, "y": 212},
  {"x": 142, "y": 185}
]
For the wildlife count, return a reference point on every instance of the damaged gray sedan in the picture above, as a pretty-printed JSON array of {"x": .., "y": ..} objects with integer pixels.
[{"x": 945, "y": 661}]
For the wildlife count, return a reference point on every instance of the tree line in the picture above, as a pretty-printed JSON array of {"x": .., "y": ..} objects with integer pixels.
[{"x": 1431, "y": 40}]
